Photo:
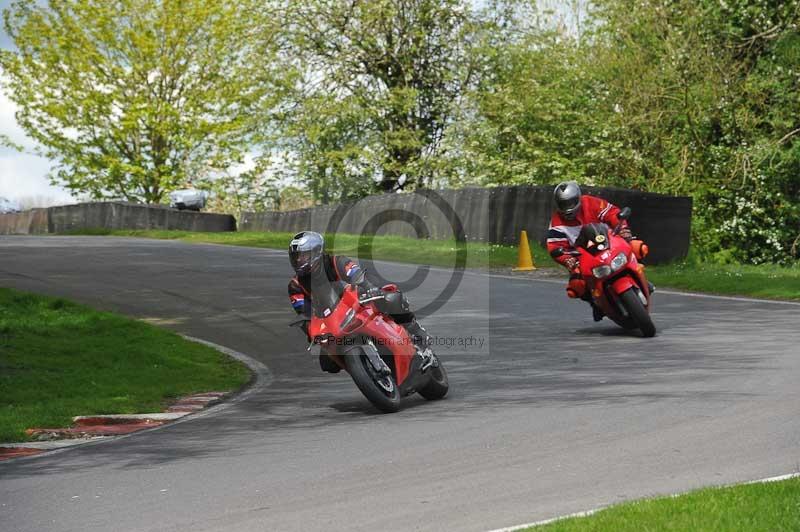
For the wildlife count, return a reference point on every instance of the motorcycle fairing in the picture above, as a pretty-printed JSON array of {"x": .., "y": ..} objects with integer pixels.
[
  {"x": 373, "y": 324},
  {"x": 622, "y": 283},
  {"x": 396, "y": 339},
  {"x": 629, "y": 276}
]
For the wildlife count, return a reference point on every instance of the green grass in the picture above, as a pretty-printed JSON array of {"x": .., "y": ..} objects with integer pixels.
[
  {"x": 59, "y": 359},
  {"x": 391, "y": 248},
  {"x": 767, "y": 507},
  {"x": 766, "y": 281}
]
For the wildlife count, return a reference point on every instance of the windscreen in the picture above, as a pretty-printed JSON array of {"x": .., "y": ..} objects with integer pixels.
[
  {"x": 593, "y": 237},
  {"x": 325, "y": 295}
]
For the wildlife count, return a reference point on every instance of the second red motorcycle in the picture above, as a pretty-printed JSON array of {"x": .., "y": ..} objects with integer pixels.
[{"x": 613, "y": 276}]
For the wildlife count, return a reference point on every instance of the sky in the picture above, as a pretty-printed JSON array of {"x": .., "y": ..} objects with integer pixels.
[{"x": 23, "y": 176}]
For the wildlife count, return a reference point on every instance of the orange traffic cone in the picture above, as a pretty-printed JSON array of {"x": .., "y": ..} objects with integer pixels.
[{"x": 525, "y": 260}]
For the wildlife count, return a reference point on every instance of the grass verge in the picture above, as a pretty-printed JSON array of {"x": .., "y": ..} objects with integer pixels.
[
  {"x": 391, "y": 248},
  {"x": 59, "y": 359},
  {"x": 767, "y": 507},
  {"x": 764, "y": 281}
]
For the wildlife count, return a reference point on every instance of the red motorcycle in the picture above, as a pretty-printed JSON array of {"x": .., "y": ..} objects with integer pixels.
[
  {"x": 379, "y": 354},
  {"x": 613, "y": 276}
]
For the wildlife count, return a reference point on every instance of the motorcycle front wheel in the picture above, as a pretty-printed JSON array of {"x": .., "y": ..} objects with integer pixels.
[
  {"x": 381, "y": 390},
  {"x": 638, "y": 313}
]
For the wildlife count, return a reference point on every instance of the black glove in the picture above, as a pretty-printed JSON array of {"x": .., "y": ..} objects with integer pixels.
[{"x": 571, "y": 263}]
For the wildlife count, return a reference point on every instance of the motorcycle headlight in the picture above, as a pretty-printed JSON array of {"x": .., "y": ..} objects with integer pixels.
[
  {"x": 601, "y": 271},
  {"x": 619, "y": 261},
  {"x": 605, "y": 270}
]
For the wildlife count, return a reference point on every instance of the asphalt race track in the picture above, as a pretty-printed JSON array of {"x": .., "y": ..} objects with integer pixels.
[{"x": 553, "y": 414}]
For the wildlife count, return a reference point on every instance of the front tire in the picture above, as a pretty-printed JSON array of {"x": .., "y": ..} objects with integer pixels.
[
  {"x": 638, "y": 313},
  {"x": 438, "y": 386},
  {"x": 380, "y": 390}
]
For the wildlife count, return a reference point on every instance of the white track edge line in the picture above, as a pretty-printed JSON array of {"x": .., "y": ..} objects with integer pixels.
[{"x": 587, "y": 513}]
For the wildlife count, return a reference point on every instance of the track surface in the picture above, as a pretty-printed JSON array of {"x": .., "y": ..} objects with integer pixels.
[{"x": 554, "y": 415}]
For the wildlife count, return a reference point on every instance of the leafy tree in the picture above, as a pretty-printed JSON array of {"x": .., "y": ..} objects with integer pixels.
[
  {"x": 382, "y": 80},
  {"x": 676, "y": 96},
  {"x": 710, "y": 92},
  {"x": 292, "y": 198},
  {"x": 239, "y": 190},
  {"x": 6, "y": 142},
  {"x": 133, "y": 98}
]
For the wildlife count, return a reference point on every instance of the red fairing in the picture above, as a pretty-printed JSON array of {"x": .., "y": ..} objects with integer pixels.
[
  {"x": 589, "y": 261},
  {"x": 620, "y": 284},
  {"x": 629, "y": 276},
  {"x": 395, "y": 337},
  {"x": 367, "y": 322}
]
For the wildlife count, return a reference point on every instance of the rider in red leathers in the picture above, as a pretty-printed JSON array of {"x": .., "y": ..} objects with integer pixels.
[
  {"x": 315, "y": 268},
  {"x": 573, "y": 211}
]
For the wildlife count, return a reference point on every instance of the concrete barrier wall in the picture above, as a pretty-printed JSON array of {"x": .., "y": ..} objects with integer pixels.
[
  {"x": 111, "y": 215},
  {"x": 495, "y": 215},
  {"x": 31, "y": 222},
  {"x": 118, "y": 215}
]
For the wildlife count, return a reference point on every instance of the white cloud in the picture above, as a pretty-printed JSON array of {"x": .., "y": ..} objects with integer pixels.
[{"x": 24, "y": 175}]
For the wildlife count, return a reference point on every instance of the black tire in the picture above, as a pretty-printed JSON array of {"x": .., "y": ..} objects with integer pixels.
[
  {"x": 626, "y": 323},
  {"x": 638, "y": 313},
  {"x": 438, "y": 386},
  {"x": 364, "y": 376}
]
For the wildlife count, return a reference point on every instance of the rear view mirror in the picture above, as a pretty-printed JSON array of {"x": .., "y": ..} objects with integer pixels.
[
  {"x": 557, "y": 252},
  {"x": 624, "y": 214}
]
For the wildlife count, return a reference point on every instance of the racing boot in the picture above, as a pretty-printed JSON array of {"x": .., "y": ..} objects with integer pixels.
[
  {"x": 597, "y": 314},
  {"x": 327, "y": 364},
  {"x": 419, "y": 335},
  {"x": 422, "y": 341}
]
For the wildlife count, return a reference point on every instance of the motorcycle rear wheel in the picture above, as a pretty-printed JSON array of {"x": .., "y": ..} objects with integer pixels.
[
  {"x": 638, "y": 313},
  {"x": 381, "y": 391},
  {"x": 438, "y": 386}
]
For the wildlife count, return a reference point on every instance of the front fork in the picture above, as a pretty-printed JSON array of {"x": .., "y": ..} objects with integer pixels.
[{"x": 369, "y": 350}]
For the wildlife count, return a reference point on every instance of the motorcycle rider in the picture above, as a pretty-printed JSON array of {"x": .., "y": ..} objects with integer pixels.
[
  {"x": 572, "y": 211},
  {"x": 315, "y": 268}
]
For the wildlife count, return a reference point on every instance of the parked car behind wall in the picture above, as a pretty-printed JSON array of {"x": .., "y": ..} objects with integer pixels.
[{"x": 189, "y": 199}]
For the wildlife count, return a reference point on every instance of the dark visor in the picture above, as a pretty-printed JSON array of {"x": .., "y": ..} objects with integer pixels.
[
  {"x": 567, "y": 205},
  {"x": 299, "y": 258}
]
